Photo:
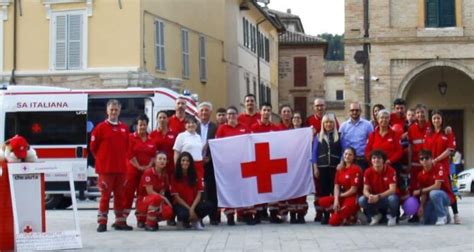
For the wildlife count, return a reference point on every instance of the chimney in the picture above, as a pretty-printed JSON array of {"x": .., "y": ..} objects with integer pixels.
[{"x": 288, "y": 11}]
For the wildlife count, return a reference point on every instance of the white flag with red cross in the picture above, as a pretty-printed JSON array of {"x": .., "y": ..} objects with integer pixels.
[{"x": 261, "y": 168}]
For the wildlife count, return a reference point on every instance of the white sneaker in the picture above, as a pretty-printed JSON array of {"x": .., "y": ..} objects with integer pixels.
[
  {"x": 392, "y": 221},
  {"x": 375, "y": 219},
  {"x": 197, "y": 225},
  {"x": 441, "y": 221}
]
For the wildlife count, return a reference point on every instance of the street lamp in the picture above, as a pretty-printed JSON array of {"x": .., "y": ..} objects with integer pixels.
[{"x": 442, "y": 85}]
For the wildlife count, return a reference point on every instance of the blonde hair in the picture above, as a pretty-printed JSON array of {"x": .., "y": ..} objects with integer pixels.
[{"x": 328, "y": 117}]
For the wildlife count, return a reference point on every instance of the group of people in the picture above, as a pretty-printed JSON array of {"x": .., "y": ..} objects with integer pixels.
[{"x": 359, "y": 164}]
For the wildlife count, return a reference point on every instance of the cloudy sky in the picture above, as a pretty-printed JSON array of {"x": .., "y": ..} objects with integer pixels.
[{"x": 318, "y": 16}]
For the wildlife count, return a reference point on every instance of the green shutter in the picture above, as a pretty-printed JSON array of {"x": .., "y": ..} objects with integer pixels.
[
  {"x": 432, "y": 13},
  {"x": 447, "y": 13}
]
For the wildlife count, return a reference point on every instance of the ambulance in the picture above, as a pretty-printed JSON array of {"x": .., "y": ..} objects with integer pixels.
[{"x": 57, "y": 123}]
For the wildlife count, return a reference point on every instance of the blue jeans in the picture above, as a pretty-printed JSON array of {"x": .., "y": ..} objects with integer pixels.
[
  {"x": 389, "y": 204},
  {"x": 436, "y": 206}
]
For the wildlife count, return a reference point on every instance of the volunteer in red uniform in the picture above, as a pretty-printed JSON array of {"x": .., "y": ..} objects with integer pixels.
[
  {"x": 177, "y": 121},
  {"x": 265, "y": 125},
  {"x": 221, "y": 118},
  {"x": 399, "y": 114},
  {"x": 319, "y": 109},
  {"x": 416, "y": 135},
  {"x": 186, "y": 190},
  {"x": 251, "y": 115},
  {"x": 286, "y": 114},
  {"x": 434, "y": 190},
  {"x": 441, "y": 145},
  {"x": 234, "y": 128},
  {"x": 141, "y": 154},
  {"x": 152, "y": 204},
  {"x": 375, "y": 110},
  {"x": 343, "y": 203},
  {"x": 164, "y": 139},
  {"x": 109, "y": 145},
  {"x": 191, "y": 142},
  {"x": 385, "y": 139},
  {"x": 379, "y": 193}
]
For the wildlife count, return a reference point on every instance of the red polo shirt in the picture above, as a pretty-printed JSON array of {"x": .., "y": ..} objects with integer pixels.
[
  {"x": 428, "y": 178},
  {"x": 176, "y": 125},
  {"x": 389, "y": 143},
  {"x": 150, "y": 177},
  {"x": 348, "y": 177},
  {"x": 379, "y": 182},
  {"x": 185, "y": 191},
  {"x": 259, "y": 127},
  {"x": 247, "y": 120},
  {"x": 416, "y": 135},
  {"x": 437, "y": 143},
  {"x": 282, "y": 126},
  {"x": 396, "y": 119},
  {"x": 143, "y": 151},
  {"x": 314, "y": 121},
  {"x": 165, "y": 143},
  {"x": 109, "y": 145},
  {"x": 225, "y": 130}
]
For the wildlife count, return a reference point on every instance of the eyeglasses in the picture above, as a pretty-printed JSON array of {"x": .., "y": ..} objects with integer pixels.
[
  {"x": 424, "y": 158},
  {"x": 354, "y": 110}
]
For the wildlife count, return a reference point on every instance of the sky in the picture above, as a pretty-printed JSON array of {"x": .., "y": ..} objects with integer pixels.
[{"x": 318, "y": 16}]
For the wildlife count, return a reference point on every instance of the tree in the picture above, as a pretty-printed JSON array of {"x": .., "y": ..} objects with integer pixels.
[{"x": 335, "y": 46}]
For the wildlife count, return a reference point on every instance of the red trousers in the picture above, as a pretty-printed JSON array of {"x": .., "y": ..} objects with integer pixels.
[
  {"x": 152, "y": 208},
  {"x": 108, "y": 184},
  {"x": 348, "y": 208},
  {"x": 132, "y": 181}
]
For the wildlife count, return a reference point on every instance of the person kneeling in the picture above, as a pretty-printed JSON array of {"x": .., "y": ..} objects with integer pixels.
[
  {"x": 434, "y": 190},
  {"x": 186, "y": 190},
  {"x": 152, "y": 205},
  {"x": 380, "y": 185},
  {"x": 346, "y": 185}
]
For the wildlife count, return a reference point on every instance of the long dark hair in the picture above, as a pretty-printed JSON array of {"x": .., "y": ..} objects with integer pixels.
[{"x": 178, "y": 173}]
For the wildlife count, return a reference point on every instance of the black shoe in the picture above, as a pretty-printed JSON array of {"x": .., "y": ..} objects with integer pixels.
[
  {"x": 171, "y": 222},
  {"x": 300, "y": 219},
  {"x": 214, "y": 222},
  {"x": 230, "y": 220},
  {"x": 274, "y": 217},
  {"x": 123, "y": 227},
  {"x": 249, "y": 220},
  {"x": 325, "y": 219},
  {"x": 151, "y": 229},
  {"x": 186, "y": 225},
  {"x": 293, "y": 218},
  {"x": 140, "y": 224},
  {"x": 102, "y": 228},
  {"x": 263, "y": 215},
  {"x": 319, "y": 216},
  {"x": 414, "y": 219},
  {"x": 257, "y": 219}
]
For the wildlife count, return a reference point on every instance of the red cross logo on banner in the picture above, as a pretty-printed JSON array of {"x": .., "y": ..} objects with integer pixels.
[
  {"x": 263, "y": 167},
  {"x": 27, "y": 229}
]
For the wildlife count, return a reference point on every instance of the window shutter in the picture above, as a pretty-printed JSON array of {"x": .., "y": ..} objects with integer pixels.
[
  {"x": 74, "y": 56},
  {"x": 202, "y": 58},
  {"x": 60, "y": 43},
  {"x": 447, "y": 13},
  {"x": 185, "y": 52},
  {"x": 432, "y": 13},
  {"x": 244, "y": 30},
  {"x": 160, "y": 45},
  {"x": 267, "y": 50},
  {"x": 299, "y": 71}
]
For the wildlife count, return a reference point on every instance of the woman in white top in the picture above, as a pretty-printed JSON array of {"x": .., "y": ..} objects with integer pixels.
[{"x": 190, "y": 141}]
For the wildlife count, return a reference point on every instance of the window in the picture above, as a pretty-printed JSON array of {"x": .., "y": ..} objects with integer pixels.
[
  {"x": 440, "y": 13},
  {"x": 68, "y": 40},
  {"x": 253, "y": 38},
  {"x": 339, "y": 95},
  {"x": 160, "y": 45},
  {"x": 247, "y": 82},
  {"x": 185, "y": 52},
  {"x": 299, "y": 71},
  {"x": 202, "y": 58},
  {"x": 267, "y": 50},
  {"x": 245, "y": 24},
  {"x": 42, "y": 128}
]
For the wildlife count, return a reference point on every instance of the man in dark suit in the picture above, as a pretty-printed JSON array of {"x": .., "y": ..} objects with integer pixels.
[{"x": 207, "y": 130}]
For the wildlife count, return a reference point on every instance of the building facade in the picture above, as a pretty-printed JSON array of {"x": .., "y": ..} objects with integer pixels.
[
  {"x": 422, "y": 51},
  {"x": 102, "y": 44}
]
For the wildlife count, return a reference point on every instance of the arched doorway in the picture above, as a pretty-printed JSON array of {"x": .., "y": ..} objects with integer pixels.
[{"x": 422, "y": 85}]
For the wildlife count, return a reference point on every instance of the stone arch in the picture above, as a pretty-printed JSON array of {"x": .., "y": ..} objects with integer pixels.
[{"x": 407, "y": 80}]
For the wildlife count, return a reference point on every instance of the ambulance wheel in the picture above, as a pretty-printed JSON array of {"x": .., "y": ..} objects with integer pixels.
[
  {"x": 65, "y": 203},
  {"x": 52, "y": 201}
]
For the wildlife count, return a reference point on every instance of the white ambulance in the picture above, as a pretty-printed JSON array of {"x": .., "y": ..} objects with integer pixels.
[{"x": 57, "y": 123}]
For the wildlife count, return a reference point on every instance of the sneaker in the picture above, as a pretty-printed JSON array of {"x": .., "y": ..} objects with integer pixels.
[
  {"x": 151, "y": 228},
  {"x": 249, "y": 220},
  {"x": 197, "y": 225},
  {"x": 293, "y": 218},
  {"x": 171, "y": 222},
  {"x": 457, "y": 219},
  {"x": 441, "y": 221},
  {"x": 361, "y": 218},
  {"x": 140, "y": 224},
  {"x": 230, "y": 220},
  {"x": 123, "y": 227},
  {"x": 300, "y": 219},
  {"x": 448, "y": 216},
  {"x": 375, "y": 219},
  {"x": 391, "y": 220},
  {"x": 102, "y": 228}
]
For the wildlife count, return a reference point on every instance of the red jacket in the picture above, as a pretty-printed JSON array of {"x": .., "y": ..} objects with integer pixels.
[
  {"x": 109, "y": 145},
  {"x": 389, "y": 143}
]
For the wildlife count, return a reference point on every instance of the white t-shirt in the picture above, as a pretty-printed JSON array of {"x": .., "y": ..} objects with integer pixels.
[{"x": 191, "y": 143}]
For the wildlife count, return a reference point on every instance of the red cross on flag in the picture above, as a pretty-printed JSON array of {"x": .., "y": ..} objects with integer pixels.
[{"x": 261, "y": 168}]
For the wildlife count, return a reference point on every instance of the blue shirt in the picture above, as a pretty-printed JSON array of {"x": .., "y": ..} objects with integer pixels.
[{"x": 355, "y": 135}]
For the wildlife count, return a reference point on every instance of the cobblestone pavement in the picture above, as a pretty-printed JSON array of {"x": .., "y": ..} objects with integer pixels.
[{"x": 271, "y": 237}]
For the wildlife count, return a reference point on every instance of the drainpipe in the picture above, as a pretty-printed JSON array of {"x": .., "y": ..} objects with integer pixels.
[
  {"x": 12, "y": 78},
  {"x": 367, "y": 99}
]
